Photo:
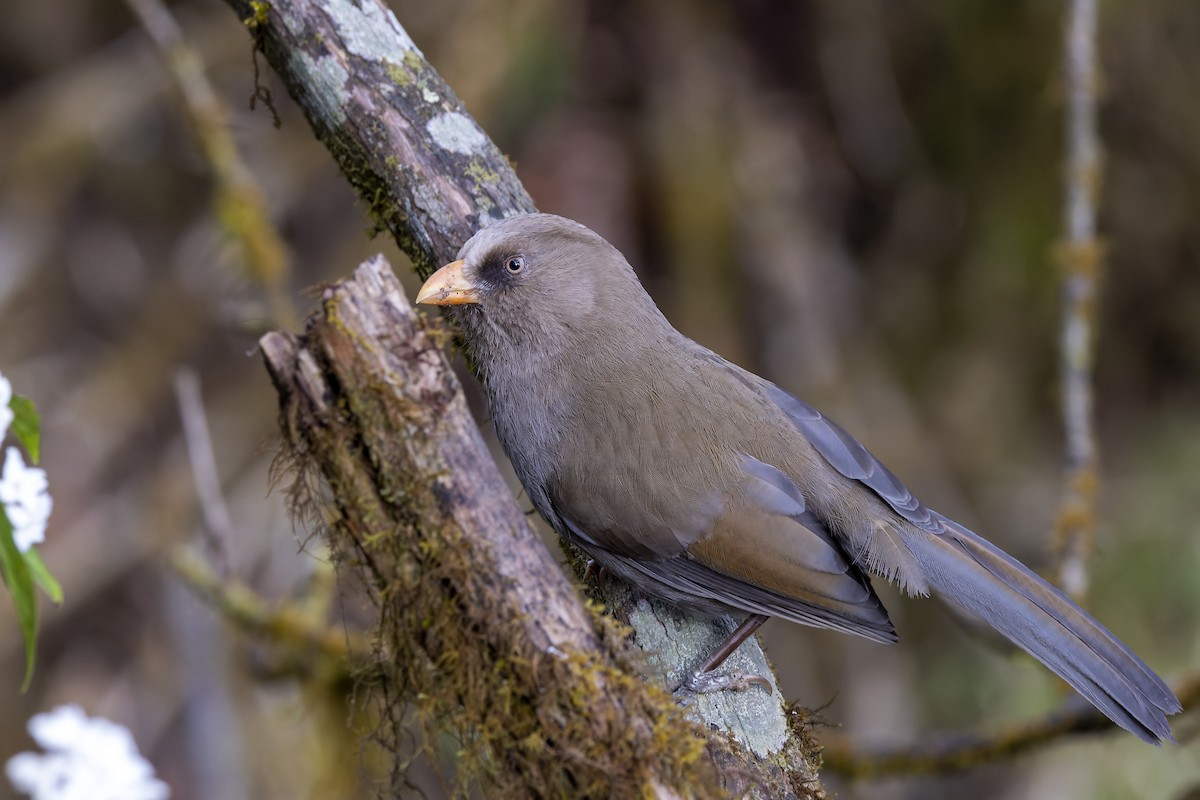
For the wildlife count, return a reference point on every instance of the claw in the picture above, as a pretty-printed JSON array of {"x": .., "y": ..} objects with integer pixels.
[
  {"x": 697, "y": 683},
  {"x": 595, "y": 572}
]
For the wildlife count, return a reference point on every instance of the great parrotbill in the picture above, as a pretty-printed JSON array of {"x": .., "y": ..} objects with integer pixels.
[{"x": 704, "y": 484}]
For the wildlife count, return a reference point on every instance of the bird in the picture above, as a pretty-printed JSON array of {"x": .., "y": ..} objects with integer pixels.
[{"x": 703, "y": 484}]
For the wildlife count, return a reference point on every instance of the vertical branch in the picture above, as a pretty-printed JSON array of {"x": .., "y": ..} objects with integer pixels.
[
  {"x": 218, "y": 524},
  {"x": 1080, "y": 256}
]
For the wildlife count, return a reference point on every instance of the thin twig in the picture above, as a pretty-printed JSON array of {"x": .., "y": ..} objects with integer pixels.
[
  {"x": 287, "y": 625},
  {"x": 218, "y": 525},
  {"x": 1080, "y": 257},
  {"x": 238, "y": 199},
  {"x": 965, "y": 750}
]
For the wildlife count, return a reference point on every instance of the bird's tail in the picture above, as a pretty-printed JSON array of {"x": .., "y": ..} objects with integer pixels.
[{"x": 974, "y": 575}]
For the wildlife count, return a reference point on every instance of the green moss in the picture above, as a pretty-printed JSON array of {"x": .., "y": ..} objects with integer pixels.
[
  {"x": 382, "y": 208},
  {"x": 413, "y": 61},
  {"x": 802, "y": 759},
  {"x": 480, "y": 174},
  {"x": 399, "y": 75},
  {"x": 258, "y": 17}
]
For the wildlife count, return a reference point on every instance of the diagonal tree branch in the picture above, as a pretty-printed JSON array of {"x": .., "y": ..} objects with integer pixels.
[{"x": 427, "y": 172}]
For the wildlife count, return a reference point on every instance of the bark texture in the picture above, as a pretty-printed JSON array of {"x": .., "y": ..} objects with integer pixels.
[{"x": 428, "y": 173}]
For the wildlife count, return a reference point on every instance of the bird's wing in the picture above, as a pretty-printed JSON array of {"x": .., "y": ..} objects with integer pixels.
[
  {"x": 763, "y": 552},
  {"x": 848, "y": 456},
  {"x": 874, "y": 542}
]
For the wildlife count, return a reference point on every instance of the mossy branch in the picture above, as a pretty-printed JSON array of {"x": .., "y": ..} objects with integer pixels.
[{"x": 423, "y": 166}]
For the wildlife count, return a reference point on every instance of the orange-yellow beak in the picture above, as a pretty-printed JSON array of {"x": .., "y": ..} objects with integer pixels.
[{"x": 448, "y": 287}]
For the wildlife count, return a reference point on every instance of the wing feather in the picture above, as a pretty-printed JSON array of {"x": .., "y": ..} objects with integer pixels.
[
  {"x": 848, "y": 456},
  {"x": 765, "y": 553}
]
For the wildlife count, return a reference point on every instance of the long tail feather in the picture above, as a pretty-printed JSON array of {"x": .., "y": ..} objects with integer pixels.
[{"x": 971, "y": 573}]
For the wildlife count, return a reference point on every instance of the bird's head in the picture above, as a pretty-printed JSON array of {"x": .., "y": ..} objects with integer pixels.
[{"x": 538, "y": 279}]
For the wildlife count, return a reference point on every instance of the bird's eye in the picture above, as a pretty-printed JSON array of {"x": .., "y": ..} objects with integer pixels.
[{"x": 515, "y": 265}]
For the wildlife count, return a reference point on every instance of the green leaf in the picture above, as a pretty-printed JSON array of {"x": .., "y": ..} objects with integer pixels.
[
  {"x": 41, "y": 575},
  {"x": 27, "y": 427},
  {"x": 20, "y": 583}
]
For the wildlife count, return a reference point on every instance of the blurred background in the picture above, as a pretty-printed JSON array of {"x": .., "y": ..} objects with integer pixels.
[{"x": 859, "y": 201}]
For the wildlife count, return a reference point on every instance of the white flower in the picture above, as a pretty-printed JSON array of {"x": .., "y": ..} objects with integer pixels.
[
  {"x": 25, "y": 499},
  {"x": 6, "y": 413},
  {"x": 86, "y": 759}
]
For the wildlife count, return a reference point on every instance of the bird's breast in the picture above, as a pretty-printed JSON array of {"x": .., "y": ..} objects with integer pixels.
[{"x": 530, "y": 408}]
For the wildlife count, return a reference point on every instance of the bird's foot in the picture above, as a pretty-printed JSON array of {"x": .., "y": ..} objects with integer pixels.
[
  {"x": 594, "y": 572},
  {"x": 697, "y": 683}
]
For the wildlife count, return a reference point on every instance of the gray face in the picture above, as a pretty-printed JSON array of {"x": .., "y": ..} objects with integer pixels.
[
  {"x": 535, "y": 286},
  {"x": 534, "y": 278}
]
